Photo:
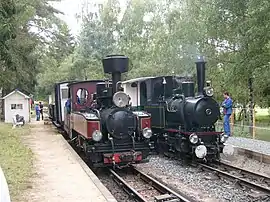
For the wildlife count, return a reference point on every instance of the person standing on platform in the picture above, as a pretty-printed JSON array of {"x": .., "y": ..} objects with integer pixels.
[
  {"x": 227, "y": 111},
  {"x": 41, "y": 110},
  {"x": 37, "y": 109}
]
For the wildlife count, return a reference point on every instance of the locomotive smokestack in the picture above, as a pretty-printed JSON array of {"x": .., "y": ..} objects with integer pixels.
[
  {"x": 115, "y": 65},
  {"x": 200, "y": 66}
]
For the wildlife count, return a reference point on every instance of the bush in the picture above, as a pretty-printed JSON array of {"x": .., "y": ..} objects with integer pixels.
[{"x": 262, "y": 119}]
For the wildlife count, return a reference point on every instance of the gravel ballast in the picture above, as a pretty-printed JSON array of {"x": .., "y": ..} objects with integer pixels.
[
  {"x": 250, "y": 144},
  {"x": 249, "y": 164},
  {"x": 201, "y": 185}
]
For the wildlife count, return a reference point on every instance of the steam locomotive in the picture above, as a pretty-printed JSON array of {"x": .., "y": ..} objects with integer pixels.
[
  {"x": 97, "y": 118},
  {"x": 183, "y": 123}
]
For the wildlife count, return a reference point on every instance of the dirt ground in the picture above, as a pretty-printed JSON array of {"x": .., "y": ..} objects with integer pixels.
[{"x": 57, "y": 175}]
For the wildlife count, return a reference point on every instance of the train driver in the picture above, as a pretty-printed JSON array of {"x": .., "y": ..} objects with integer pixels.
[
  {"x": 227, "y": 111},
  {"x": 68, "y": 105}
]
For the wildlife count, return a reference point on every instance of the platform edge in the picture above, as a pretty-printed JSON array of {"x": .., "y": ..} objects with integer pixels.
[{"x": 105, "y": 192}]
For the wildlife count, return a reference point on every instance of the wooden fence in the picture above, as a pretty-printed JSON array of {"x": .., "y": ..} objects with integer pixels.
[{"x": 242, "y": 125}]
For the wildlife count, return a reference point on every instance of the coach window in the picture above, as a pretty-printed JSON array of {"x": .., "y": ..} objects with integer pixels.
[{"x": 82, "y": 96}]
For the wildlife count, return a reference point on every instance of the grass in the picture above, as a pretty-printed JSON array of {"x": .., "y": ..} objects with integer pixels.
[
  {"x": 262, "y": 126},
  {"x": 15, "y": 159},
  {"x": 261, "y": 133}
]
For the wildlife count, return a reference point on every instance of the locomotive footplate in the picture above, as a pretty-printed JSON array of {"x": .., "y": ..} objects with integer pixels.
[{"x": 122, "y": 157}]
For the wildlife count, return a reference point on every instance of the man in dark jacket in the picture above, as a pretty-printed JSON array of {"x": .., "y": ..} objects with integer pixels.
[
  {"x": 41, "y": 109},
  {"x": 227, "y": 111}
]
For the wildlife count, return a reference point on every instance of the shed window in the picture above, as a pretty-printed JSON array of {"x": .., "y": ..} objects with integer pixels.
[{"x": 16, "y": 106}]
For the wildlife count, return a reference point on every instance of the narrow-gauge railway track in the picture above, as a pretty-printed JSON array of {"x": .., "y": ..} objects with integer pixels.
[
  {"x": 143, "y": 188},
  {"x": 254, "y": 181}
]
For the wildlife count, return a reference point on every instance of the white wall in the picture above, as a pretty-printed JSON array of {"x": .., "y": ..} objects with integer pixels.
[
  {"x": 16, "y": 98},
  {"x": 50, "y": 99},
  {"x": 63, "y": 86},
  {"x": 132, "y": 92}
]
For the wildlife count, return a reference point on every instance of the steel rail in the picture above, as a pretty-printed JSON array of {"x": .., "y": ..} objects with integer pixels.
[
  {"x": 132, "y": 192},
  {"x": 260, "y": 177},
  {"x": 239, "y": 180},
  {"x": 161, "y": 188}
]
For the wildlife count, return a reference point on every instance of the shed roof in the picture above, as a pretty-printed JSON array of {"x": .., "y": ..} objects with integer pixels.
[{"x": 16, "y": 91}]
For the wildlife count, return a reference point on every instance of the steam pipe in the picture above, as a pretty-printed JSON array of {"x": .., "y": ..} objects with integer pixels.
[
  {"x": 116, "y": 77},
  {"x": 200, "y": 66}
]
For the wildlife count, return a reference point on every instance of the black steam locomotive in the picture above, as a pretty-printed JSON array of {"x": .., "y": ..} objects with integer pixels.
[
  {"x": 124, "y": 134},
  {"x": 183, "y": 123},
  {"x": 96, "y": 117}
]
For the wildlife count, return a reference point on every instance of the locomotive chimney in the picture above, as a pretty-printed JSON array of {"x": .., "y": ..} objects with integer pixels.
[
  {"x": 115, "y": 65},
  {"x": 200, "y": 66}
]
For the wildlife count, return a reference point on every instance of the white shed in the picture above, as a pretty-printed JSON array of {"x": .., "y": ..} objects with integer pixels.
[{"x": 16, "y": 102}]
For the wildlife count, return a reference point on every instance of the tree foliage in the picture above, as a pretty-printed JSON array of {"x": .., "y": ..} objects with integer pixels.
[
  {"x": 160, "y": 38},
  {"x": 27, "y": 29}
]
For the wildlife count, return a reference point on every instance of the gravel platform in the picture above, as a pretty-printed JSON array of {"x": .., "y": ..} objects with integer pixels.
[
  {"x": 201, "y": 185},
  {"x": 250, "y": 144}
]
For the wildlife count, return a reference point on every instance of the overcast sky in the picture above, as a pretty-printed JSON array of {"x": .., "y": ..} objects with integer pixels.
[{"x": 71, "y": 8}]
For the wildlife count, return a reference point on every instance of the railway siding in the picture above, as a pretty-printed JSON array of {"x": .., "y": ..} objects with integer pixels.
[{"x": 202, "y": 185}]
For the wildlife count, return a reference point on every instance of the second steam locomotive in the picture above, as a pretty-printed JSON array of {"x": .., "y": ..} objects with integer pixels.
[{"x": 183, "y": 123}]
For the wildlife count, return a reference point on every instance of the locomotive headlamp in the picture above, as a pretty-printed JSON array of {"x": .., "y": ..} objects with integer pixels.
[
  {"x": 228, "y": 150},
  {"x": 223, "y": 138},
  {"x": 147, "y": 133},
  {"x": 97, "y": 135},
  {"x": 201, "y": 151},
  {"x": 120, "y": 99},
  {"x": 193, "y": 138},
  {"x": 209, "y": 91}
]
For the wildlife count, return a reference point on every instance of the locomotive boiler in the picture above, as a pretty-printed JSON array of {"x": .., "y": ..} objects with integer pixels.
[{"x": 183, "y": 123}]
